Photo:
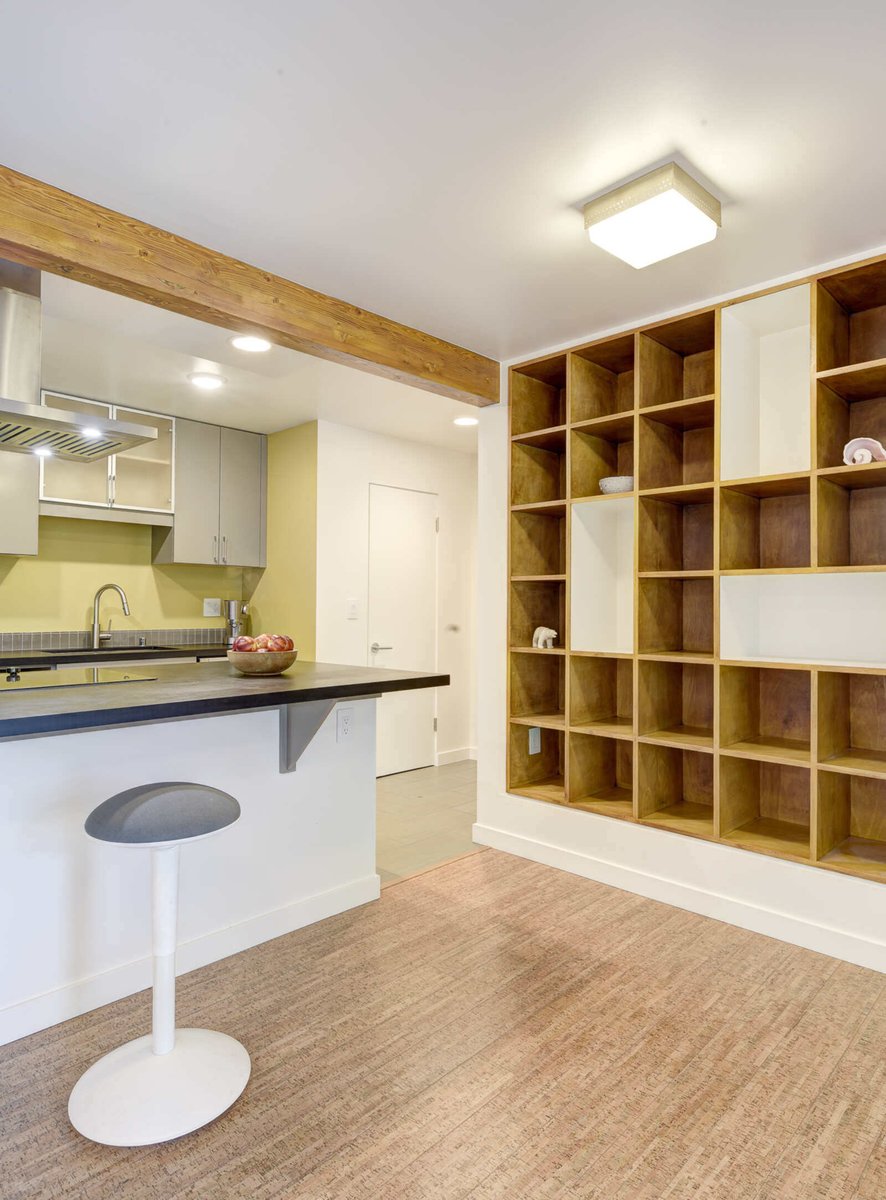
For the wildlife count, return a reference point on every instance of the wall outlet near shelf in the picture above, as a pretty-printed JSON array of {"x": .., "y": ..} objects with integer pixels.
[
  {"x": 344, "y": 719},
  {"x": 535, "y": 740},
  {"x": 211, "y": 606}
]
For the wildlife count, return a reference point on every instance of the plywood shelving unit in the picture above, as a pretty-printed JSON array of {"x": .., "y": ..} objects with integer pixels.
[{"x": 743, "y": 525}]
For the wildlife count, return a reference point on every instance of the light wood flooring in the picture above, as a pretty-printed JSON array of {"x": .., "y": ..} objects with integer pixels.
[
  {"x": 424, "y": 818},
  {"x": 495, "y": 1029}
]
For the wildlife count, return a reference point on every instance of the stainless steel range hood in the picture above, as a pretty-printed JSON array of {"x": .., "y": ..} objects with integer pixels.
[{"x": 26, "y": 425}]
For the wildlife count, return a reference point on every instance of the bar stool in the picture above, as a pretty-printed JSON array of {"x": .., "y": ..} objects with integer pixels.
[{"x": 171, "y": 1081}]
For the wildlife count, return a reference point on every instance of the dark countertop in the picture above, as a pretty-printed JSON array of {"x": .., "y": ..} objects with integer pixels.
[
  {"x": 52, "y": 658},
  {"x": 193, "y": 690}
]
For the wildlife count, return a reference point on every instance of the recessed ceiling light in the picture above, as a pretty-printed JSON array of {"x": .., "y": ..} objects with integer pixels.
[
  {"x": 91, "y": 434},
  {"x": 207, "y": 381},
  {"x": 654, "y": 217},
  {"x": 465, "y": 421},
  {"x": 250, "y": 343},
  {"x": 43, "y": 451}
]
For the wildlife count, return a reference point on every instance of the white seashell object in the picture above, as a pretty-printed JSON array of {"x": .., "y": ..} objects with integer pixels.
[
  {"x": 616, "y": 483},
  {"x": 861, "y": 451}
]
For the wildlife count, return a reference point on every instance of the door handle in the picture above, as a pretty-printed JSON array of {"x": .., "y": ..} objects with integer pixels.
[
  {"x": 375, "y": 647},
  {"x": 225, "y": 548},
  {"x": 215, "y": 548}
]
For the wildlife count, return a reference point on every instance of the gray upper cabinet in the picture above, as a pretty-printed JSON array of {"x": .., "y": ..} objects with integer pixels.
[
  {"x": 220, "y": 483},
  {"x": 19, "y": 503}
]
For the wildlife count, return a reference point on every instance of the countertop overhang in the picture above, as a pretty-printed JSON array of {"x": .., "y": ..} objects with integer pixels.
[
  {"x": 36, "y": 659},
  {"x": 194, "y": 690}
]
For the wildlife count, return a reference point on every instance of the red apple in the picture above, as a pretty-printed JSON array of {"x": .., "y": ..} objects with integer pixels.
[
  {"x": 261, "y": 642},
  {"x": 276, "y": 642},
  {"x": 243, "y": 643},
  {"x": 290, "y": 644}
]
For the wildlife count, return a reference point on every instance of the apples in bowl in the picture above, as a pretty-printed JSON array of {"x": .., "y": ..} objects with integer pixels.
[{"x": 267, "y": 654}]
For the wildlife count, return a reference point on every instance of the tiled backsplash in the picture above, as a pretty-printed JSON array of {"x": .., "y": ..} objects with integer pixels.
[{"x": 81, "y": 639}]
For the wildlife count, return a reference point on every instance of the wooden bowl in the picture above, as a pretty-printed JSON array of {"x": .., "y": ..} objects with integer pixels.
[{"x": 257, "y": 662}]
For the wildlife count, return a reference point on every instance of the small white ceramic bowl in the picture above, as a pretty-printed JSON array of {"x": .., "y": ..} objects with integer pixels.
[{"x": 616, "y": 483}]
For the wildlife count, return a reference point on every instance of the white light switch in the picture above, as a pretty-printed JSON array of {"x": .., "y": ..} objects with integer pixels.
[
  {"x": 351, "y": 608},
  {"x": 211, "y": 606}
]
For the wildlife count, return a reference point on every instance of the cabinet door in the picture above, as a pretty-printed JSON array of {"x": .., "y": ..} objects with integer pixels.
[
  {"x": 195, "y": 532},
  {"x": 18, "y": 503},
  {"x": 242, "y": 504},
  {"x": 142, "y": 476},
  {"x": 76, "y": 482}
]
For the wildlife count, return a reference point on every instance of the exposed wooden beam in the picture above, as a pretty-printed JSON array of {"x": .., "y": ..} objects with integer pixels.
[{"x": 64, "y": 234}]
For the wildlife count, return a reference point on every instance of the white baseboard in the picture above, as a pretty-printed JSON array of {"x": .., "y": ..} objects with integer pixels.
[
  {"x": 466, "y": 753},
  {"x": 786, "y": 927},
  {"x": 83, "y": 995}
]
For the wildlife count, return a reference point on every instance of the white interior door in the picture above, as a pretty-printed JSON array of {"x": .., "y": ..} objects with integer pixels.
[{"x": 402, "y": 623}]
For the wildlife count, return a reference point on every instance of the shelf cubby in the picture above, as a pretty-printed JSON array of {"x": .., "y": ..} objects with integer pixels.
[
  {"x": 766, "y": 712},
  {"x": 676, "y": 445},
  {"x": 765, "y": 524},
  {"x": 676, "y": 616},
  {"x": 765, "y": 419},
  {"x": 675, "y": 789},
  {"x": 538, "y": 395},
  {"x": 538, "y": 472},
  {"x": 765, "y": 806},
  {"x": 601, "y": 696},
  {"x": 602, "y": 576},
  {"x": 538, "y": 689},
  {"x": 676, "y": 703},
  {"x": 539, "y": 776},
  {"x": 601, "y": 774},
  {"x": 676, "y": 532},
  {"x": 851, "y": 317},
  {"x": 851, "y": 827},
  {"x": 843, "y": 416},
  {"x": 602, "y": 379},
  {"x": 852, "y": 722},
  {"x": 676, "y": 360},
  {"x": 852, "y": 517},
  {"x": 534, "y": 603},
  {"x": 538, "y": 543},
  {"x": 603, "y": 448}
]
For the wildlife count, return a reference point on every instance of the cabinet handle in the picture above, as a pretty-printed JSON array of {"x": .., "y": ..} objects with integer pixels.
[
  {"x": 225, "y": 549},
  {"x": 215, "y": 547}
]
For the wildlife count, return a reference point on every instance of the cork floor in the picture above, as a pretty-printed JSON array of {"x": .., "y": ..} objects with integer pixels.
[
  {"x": 492, "y": 1030},
  {"x": 424, "y": 818}
]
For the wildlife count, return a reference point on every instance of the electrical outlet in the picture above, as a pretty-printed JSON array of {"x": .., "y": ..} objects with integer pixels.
[
  {"x": 535, "y": 740},
  {"x": 211, "y": 606},
  {"x": 344, "y": 718}
]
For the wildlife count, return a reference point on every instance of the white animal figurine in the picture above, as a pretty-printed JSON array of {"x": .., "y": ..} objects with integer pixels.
[{"x": 543, "y": 638}]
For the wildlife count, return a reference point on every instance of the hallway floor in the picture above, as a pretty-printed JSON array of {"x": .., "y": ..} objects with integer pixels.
[{"x": 424, "y": 818}]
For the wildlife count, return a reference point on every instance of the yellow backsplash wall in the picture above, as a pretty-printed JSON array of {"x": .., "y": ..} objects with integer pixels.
[{"x": 54, "y": 590}]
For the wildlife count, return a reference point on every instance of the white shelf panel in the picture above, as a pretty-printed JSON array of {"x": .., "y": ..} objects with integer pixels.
[
  {"x": 831, "y": 618},
  {"x": 764, "y": 408},
  {"x": 602, "y": 597}
]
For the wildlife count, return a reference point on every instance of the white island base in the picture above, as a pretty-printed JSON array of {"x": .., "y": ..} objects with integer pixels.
[{"x": 76, "y": 917}]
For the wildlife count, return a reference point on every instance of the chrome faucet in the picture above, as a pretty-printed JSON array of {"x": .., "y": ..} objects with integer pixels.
[{"x": 97, "y": 636}]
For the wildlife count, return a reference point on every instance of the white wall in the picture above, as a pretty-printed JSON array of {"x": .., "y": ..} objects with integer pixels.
[
  {"x": 348, "y": 461},
  {"x": 834, "y": 914}
]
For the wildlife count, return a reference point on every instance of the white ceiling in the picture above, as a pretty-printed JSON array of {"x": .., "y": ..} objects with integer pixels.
[
  {"x": 106, "y": 347},
  {"x": 427, "y": 160}
]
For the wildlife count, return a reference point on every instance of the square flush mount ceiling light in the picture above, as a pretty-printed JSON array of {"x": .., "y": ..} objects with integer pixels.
[{"x": 654, "y": 217}]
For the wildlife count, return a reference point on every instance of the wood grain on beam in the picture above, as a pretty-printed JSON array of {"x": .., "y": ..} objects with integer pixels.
[{"x": 66, "y": 235}]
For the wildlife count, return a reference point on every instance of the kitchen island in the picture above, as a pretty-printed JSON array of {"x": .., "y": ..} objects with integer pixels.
[{"x": 76, "y": 915}]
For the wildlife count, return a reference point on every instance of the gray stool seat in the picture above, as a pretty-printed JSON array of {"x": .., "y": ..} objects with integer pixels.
[{"x": 162, "y": 812}]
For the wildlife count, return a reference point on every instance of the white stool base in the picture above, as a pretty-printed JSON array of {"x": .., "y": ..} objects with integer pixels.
[{"x": 133, "y": 1097}]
